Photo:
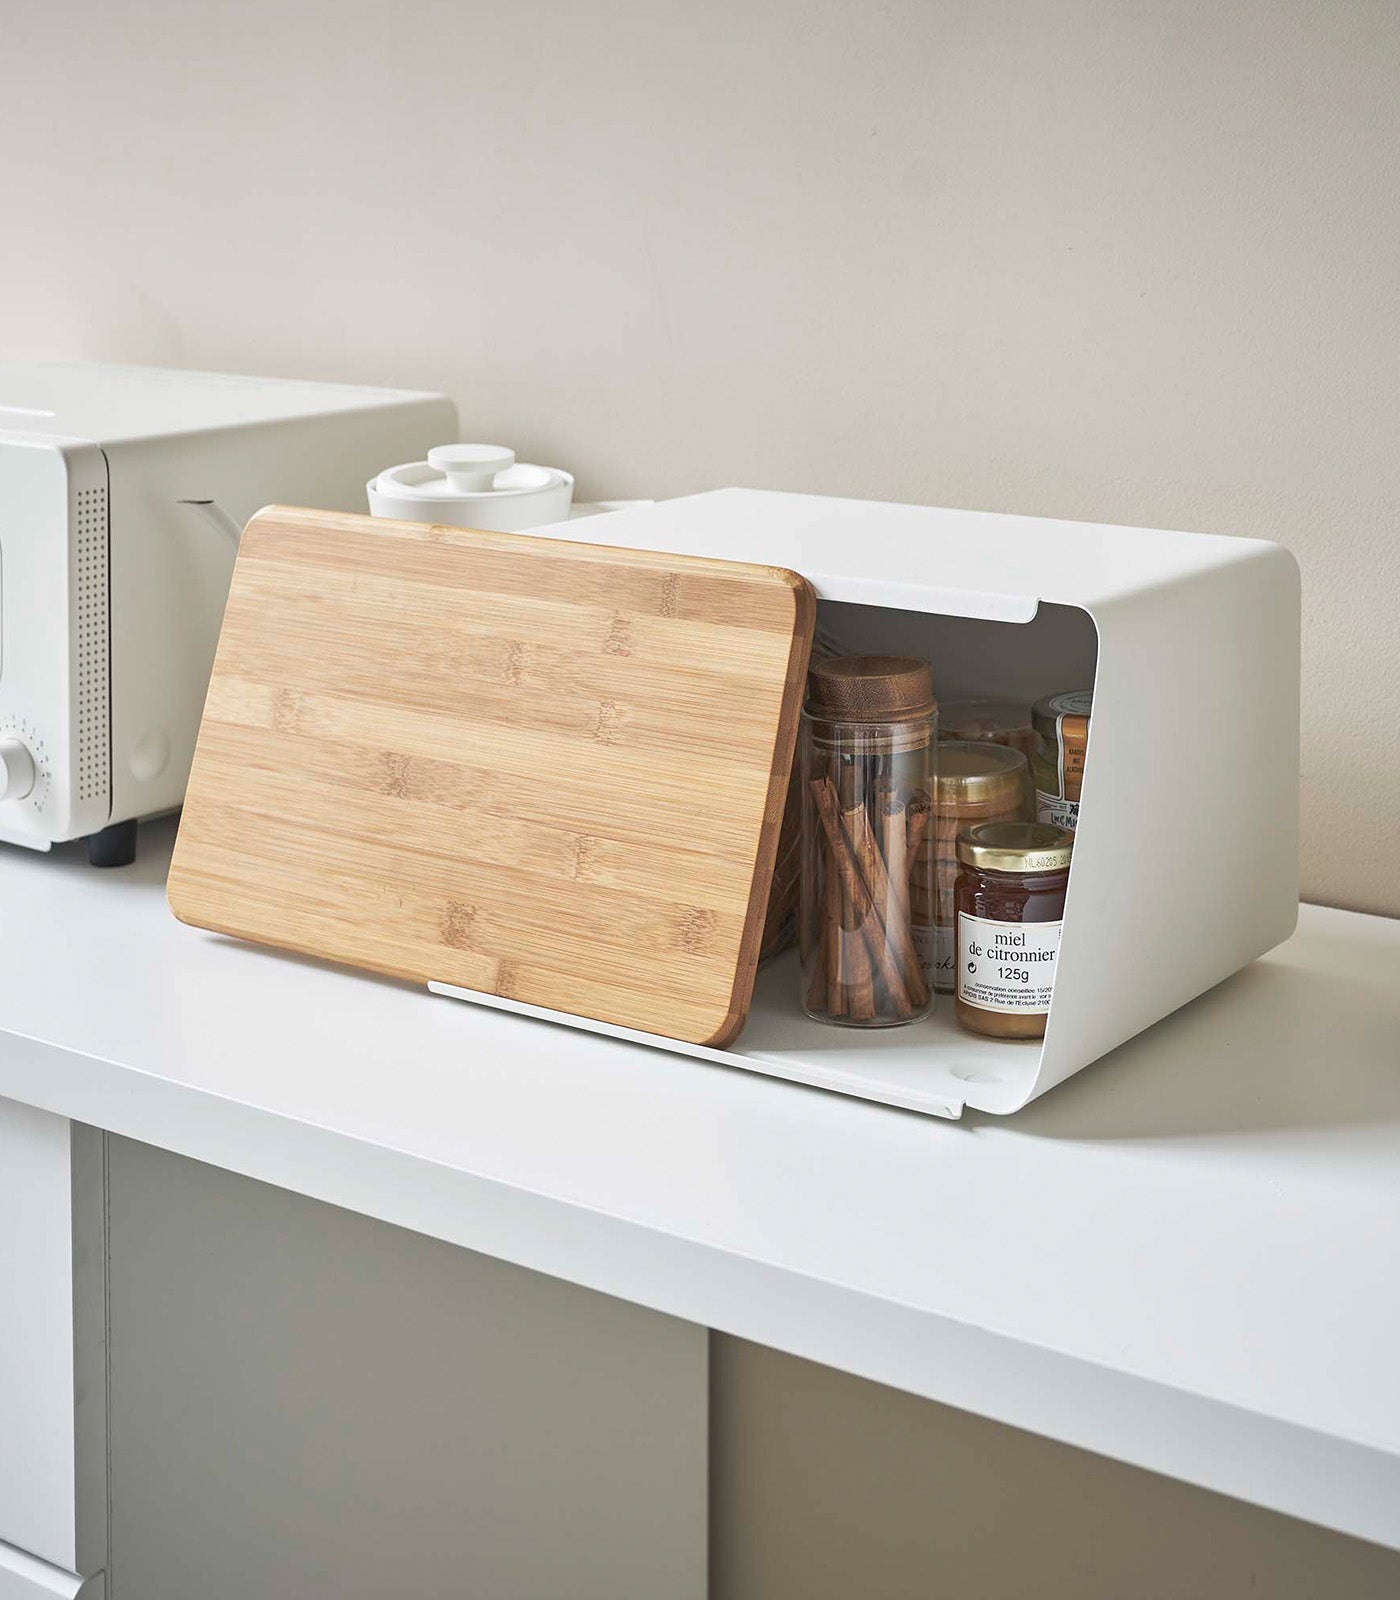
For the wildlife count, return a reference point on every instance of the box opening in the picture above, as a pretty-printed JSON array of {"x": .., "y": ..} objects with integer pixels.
[{"x": 933, "y": 1066}]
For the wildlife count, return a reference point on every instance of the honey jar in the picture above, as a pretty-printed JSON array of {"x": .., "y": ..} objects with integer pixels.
[
  {"x": 974, "y": 782},
  {"x": 1010, "y": 904}
]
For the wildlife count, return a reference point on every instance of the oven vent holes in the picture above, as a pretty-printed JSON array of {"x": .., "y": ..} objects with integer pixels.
[{"x": 92, "y": 649}]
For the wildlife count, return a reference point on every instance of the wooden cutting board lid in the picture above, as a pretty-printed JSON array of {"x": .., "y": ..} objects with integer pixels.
[{"x": 542, "y": 770}]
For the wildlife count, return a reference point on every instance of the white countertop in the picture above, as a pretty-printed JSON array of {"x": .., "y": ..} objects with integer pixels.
[{"x": 1188, "y": 1257}]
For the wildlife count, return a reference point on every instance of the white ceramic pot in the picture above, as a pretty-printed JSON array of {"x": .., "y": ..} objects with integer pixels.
[{"x": 473, "y": 486}]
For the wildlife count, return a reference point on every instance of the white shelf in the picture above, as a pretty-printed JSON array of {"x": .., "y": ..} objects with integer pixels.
[{"x": 1186, "y": 1258}]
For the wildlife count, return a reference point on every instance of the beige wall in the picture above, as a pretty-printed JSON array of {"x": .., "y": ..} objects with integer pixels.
[{"x": 1127, "y": 262}]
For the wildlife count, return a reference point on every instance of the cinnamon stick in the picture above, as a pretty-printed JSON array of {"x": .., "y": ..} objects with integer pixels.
[
  {"x": 918, "y": 828},
  {"x": 832, "y": 942},
  {"x": 894, "y": 838},
  {"x": 855, "y": 827},
  {"x": 883, "y": 960},
  {"x": 896, "y": 924},
  {"x": 856, "y": 972}
]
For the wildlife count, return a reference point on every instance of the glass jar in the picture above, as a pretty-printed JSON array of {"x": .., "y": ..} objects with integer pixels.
[
  {"x": 865, "y": 919},
  {"x": 974, "y": 783},
  {"x": 1010, "y": 900},
  {"x": 1005, "y": 722},
  {"x": 1062, "y": 733}
]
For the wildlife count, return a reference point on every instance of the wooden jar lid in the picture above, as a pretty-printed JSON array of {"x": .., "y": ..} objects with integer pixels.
[{"x": 870, "y": 689}]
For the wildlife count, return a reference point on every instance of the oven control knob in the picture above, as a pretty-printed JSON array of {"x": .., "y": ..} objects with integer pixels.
[{"x": 16, "y": 769}]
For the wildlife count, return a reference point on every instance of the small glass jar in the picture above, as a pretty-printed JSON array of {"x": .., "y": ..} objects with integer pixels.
[
  {"x": 865, "y": 919},
  {"x": 974, "y": 783},
  {"x": 1057, "y": 763},
  {"x": 1010, "y": 900}
]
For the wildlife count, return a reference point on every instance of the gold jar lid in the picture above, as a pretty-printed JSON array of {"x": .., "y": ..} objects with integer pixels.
[
  {"x": 1016, "y": 847},
  {"x": 1069, "y": 704},
  {"x": 971, "y": 772}
]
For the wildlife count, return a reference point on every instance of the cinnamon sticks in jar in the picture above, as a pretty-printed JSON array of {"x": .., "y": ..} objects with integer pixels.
[{"x": 866, "y": 915}]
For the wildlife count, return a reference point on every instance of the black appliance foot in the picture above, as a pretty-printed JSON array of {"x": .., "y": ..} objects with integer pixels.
[{"x": 114, "y": 846}]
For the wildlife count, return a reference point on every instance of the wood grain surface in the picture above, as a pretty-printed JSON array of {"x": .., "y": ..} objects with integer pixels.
[{"x": 544, "y": 770}]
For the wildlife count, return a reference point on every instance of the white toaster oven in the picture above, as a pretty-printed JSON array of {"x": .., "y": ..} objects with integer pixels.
[{"x": 121, "y": 493}]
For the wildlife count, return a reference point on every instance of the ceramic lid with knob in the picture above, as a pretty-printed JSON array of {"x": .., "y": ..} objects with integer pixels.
[{"x": 473, "y": 486}]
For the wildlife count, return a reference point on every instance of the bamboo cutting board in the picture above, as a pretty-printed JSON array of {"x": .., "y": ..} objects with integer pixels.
[{"x": 548, "y": 771}]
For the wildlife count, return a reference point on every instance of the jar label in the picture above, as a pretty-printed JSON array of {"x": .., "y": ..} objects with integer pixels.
[
  {"x": 944, "y": 957},
  {"x": 1051, "y": 808},
  {"x": 1006, "y": 966},
  {"x": 928, "y": 947}
]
